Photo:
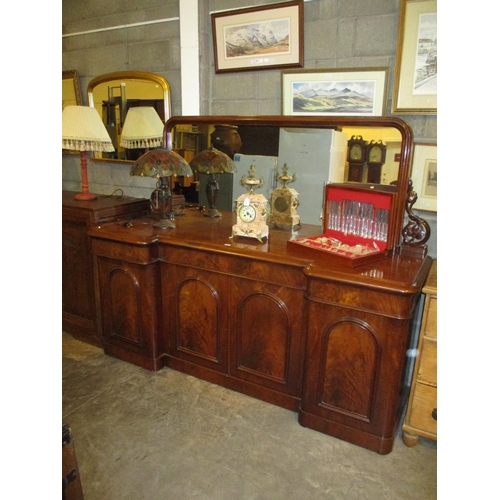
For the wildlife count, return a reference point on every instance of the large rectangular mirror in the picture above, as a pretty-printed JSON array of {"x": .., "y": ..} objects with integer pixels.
[{"x": 308, "y": 146}]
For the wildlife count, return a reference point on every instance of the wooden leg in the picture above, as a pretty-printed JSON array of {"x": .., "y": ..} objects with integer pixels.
[{"x": 410, "y": 440}]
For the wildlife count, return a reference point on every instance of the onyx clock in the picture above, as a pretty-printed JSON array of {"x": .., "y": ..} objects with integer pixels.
[
  {"x": 251, "y": 209},
  {"x": 284, "y": 202}
]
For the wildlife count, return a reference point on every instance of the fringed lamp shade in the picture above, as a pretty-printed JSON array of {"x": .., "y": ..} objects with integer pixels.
[
  {"x": 212, "y": 162},
  {"x": 161, "y": 163},
  {"x": 143, "y": 128},
  {"x": 83, "y": 130}
]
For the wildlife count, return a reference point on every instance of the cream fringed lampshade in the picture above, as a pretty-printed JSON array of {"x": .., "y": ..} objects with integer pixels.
[
  {"x": 83, "y": 130},
  {"x": 143, "y": 128}
]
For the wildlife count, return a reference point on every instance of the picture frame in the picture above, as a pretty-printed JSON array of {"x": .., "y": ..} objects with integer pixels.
[
  {"x": 323, "y": 92},
  {"x": 281, "y": 25},
  {"x": 71, "y": 95},
  {"x": 415, "y": 81},
  {"x": 424, "y": 176}
]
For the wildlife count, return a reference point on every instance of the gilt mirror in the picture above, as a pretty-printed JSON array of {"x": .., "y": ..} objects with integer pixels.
[
  {"x": 71, "y": 94},
  {"x": 113, "y": 94}
]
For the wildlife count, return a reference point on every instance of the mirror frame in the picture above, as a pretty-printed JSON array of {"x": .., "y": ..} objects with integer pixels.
[
  {"x": 404, "y": 129},
  {"x": 73, "y": 75},
  {"x": 133, "y": 75}
]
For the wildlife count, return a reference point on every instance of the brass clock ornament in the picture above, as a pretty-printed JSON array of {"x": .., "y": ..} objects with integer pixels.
[
  {"x": 251, "y": 209},
  {"x": 284, "y": 202}
]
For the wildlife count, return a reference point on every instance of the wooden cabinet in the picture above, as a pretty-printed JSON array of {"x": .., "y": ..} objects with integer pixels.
[
  {"x": 421, "y": 414},
  {"x": 325, "y": 340},
  {"x": 79, "y": 315},
  {"x": 129, "y": 301},
  {"x": 358, "y": 335},
  {"x": 234, "y": 321}
]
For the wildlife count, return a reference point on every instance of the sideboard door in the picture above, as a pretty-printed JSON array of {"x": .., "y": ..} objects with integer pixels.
[
  {"x": 267, "y": 335},
  {"x": 353, "y": 384},
  {"x": 130, "y": 311},
  {"x": 195, "y": 309}
]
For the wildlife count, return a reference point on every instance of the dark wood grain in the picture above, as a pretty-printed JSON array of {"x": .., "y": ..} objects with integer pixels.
[
  {"x": 326, "y": 340},
  {"x": 79, "y": 315}
]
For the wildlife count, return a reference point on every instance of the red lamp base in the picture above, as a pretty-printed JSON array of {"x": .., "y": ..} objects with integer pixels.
[{"x": 85, "y": 196}]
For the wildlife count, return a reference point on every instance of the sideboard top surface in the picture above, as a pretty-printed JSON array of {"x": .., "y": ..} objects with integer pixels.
[
  {"x": 402, "y": 273},
  {"x": 101, "y": 203}
]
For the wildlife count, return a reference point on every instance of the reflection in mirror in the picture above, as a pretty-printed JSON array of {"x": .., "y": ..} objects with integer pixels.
[
  {"x": 71, "y": 94},
  {"x": 113, "y": 94},
  {"x": 380, "y": 169},
  {"x": 314, "y": 154}
]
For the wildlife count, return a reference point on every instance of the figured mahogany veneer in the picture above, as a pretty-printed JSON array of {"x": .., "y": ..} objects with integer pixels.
[
  {"x": 78, "y": 298},
  {"x": 327, "y": 341}
]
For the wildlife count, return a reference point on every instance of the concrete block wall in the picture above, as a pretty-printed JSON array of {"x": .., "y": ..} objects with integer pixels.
[{"x": 337, "y": 34}]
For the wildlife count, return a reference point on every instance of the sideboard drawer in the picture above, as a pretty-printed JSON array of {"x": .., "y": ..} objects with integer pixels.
[
  {"x": 425, "y": 401},
  {"x": 428, "y": 362},
  {"x": 431, "y": 324}
]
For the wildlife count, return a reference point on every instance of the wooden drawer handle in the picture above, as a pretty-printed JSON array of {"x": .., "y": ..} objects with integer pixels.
[{"x": 435, "y": 413}]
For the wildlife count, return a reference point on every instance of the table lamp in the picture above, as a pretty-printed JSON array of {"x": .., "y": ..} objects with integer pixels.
[
  {"x": 143, "y": 129},
  {"x": 212, "y": 162},
  {"x": 83, "y": 130},
  {"x": 161, "y": 163}
]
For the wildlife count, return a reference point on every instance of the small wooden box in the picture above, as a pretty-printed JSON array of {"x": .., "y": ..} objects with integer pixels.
[{"x": 357, "y": 226}]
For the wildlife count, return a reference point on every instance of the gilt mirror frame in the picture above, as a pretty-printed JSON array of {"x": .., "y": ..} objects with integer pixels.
[
  {"x": 71, "y": 88},
  {"x": 135, "y": 76},
  {"x": 71, "y": 95}
]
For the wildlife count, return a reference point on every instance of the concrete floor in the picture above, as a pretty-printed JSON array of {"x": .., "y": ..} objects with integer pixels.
[{"x": 167, "y": 435}]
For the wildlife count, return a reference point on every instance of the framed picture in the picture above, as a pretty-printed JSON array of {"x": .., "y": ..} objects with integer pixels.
[
  {"x": 335, "y": 92},
  {"x": 415, "y": 84},
  {"x": 424, "y": 176},
  {"x": 264, "y": 37}
]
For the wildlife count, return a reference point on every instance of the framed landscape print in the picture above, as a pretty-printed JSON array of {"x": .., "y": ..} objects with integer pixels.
[
  {"x": 264, "y": 37},
  {"x": 335, "y": 92},
  {"x": 424, "y": 176},
  {"x": 415, "y": 84}
]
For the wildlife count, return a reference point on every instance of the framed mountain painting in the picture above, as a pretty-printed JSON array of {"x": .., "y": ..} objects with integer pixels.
[
  {"x": 264, "y": 37},
  {"x": 335, "y": 92}
]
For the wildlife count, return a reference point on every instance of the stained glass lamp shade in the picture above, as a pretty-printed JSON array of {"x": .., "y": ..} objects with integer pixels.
[
  {"x": 212, "y": 162},
  {"x": 161, "y": 163}
]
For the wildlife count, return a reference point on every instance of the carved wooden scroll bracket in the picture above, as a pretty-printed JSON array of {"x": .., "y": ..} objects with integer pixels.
[{"x": 417, "y": 231}]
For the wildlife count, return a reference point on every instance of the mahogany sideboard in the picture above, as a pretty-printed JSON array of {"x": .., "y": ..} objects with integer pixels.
[
  {"x": 325, "y": 340},
  {"x": 78, "y": 298}
]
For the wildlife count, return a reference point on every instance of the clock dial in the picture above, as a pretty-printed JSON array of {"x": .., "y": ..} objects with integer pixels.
[
  {"x": 356, "y": 152},
  {"x": 247, "y": 213},
  {"x": 375, "y": 155},
  {"x": 281, "y": 204}
]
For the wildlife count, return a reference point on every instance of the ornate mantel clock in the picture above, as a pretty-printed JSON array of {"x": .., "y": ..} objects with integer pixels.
[
  {"x": 356, "y": 158},
  {"x": 251, "y": 209},
  {"x": 375, "y": 157},
  {"x": 284, "y": 202}
]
